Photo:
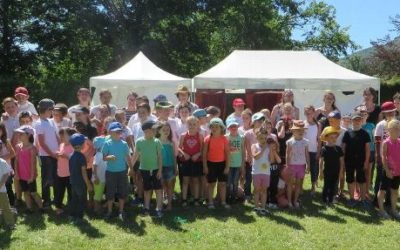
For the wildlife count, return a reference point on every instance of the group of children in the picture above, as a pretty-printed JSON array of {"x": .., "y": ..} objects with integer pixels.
[{"x": 101, "y": 155}]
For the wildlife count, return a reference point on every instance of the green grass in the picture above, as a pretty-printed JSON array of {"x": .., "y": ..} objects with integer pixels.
[{"x": 312, "y": 227}]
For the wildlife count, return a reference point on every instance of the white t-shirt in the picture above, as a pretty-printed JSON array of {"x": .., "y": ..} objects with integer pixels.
[
  {"x": 135, "y": 119},
  {"x": 262, "y": 164},
  {"x": 65, "y": 123},
  {"x": 182, "y": 128},
  {"x": 5, "y": 169},
  {"x": 95, "y": 110},
  {"x": 101, "y": 167},
  {"x": 381, "y": 131},
  {"x": 27, "y": 106},
  {"x": 12, "y": 123},
  {"x": 298, "y": 156},
  {"x": 311, "y": 134},
  {"x": 48, "y": 129}
]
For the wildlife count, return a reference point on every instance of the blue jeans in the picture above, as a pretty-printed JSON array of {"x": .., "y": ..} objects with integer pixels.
[
  {"x": 248, "y": 179},
  {"x": 49, "y": 175},
  {"x": 233, "y": 182}
]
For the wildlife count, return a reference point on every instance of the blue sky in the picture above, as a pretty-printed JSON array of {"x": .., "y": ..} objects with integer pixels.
[{"x": 367, "y": 20}]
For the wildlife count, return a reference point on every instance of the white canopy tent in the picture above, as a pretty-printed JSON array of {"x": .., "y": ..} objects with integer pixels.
[
  {"x": 139, "y": 75},
  {"x": 307, "y": 73}
]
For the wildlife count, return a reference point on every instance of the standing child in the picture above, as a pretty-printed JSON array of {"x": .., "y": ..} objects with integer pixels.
[
  {"x": 298, "y": 160},
  {"x": 237, "y": 159},
  {"x": 79, "y": 180},
  {"x": 170, "y": 169},
  {"x": 116, "y": 153},
  {"x": 260, "y": 171},
  {"x": 6, "y": 212},
  {"x": 62, "y": 182},
  {"x": 356, "y": 155},
  {"x": 216, "y": 160},
  {"x": 99, "y": 173},
  {"x": 25, "y": 166},
  {"x": 391, "y": 166},
  {"x": 148, "y": 149},
  {"x": 275, "y": 169},
  {"x": 330, "y": 164}
]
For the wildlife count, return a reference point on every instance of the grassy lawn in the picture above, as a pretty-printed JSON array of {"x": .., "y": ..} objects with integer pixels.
[{"x": 312, "y": 227}]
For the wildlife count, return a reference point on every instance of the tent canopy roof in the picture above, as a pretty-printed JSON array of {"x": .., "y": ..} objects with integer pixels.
[{"x": 258, "y": 69}]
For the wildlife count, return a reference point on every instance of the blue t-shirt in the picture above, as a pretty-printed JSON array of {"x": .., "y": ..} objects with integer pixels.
[
  {"x": 120, "y": 150},
  {"x": 77, "y": 161},
  {"x": 369, "y": 127},
  {"x": 167, "y": 154}
]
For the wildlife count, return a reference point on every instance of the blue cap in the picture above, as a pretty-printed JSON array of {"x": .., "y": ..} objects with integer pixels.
[
  {"x": 335, "y": 114},
  {"x": 115, "y": 127},
  {"x": 160, "y": 98},
  {"x": 149, "y": 124},
  {"x": 257, "y": 116},
  {"x": 98, "y": 142},
  {"x": 231, "y": 122},
  {"x": 198, "y": 113},
  {"x": 77, "y": 139},
  {"x": 217, "y": 121}
]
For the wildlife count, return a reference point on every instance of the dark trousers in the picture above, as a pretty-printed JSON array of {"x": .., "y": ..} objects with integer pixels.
[
  {"x": 330, "y": 186},
  {"x": 61, "y": 185},
  {"x": 78, "y": 201},
  {"x": 10, "y": 192},
  {"x": 248, "y": 179},
  {"x": 273, "y": 185},
  {"x": 49, "y": 175}
]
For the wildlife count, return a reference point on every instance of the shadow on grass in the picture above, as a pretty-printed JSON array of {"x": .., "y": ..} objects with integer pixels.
[
  {"x": 284, "y": 221},
  {"x": 131, "y": 224},
  {"x": 5, "y": 239},
  {"x": 367, "y": 217},
  {"x": 35, "y": 222}
]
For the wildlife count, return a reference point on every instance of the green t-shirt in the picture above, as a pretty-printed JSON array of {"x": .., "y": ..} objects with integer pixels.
[
  {"x": 236, "y": 149},
  {"x": 148, "y": 149}
]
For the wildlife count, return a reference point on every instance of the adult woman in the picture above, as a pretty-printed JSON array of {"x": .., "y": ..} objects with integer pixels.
[
  {"x": 370, "y": 96},
  {"x": 323, "y": 111},
  {"x": 277, "y": 111}
]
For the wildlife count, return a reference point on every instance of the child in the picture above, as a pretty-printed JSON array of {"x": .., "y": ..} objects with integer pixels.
[
  {"x": 24, "y": 105},
  {"x": 62, "y": 183},
  {"x": 346, "y": 121},
  {"x": 116, "y": 153},
  {"x": 184, "y": 113},
  {"x": 330, "y": 164},
  {"x": 99, "y": 173},
  {"x": 148, "y": 149},
  {"x": 238, "y": 106},
  {"x": 356, "y": 156},
  {"x": 7, "y": 153},
  {"x": 201, "y": 115},
  {"x": 391, "y": 166},
  {"x": 246, "y": 117},
  {"x": 237, "y": 159},
  {"x": 48, "y": 142},
  {"x": 83, "y": 121},
  {"x": 312, "y": 134},
  {"x": 298, "y": 160},
  {"x": 275, "y": 169},
  {"x": 60, "y": 119},
  {"x": 170, "y": 169},
  {"x": 10, "y": 117},
  {"x": 6, "y": 212},
  {"x": 127, "y": 135},
  {"x": 105, "y": 98},
  {"x": 216, "y": 160},
  {"x": 79, "y": 180},
  {"x": 25, "y": 166},
  {"x": 25, "y": 118},
  {"x": 190, "y": 146},
  {"x": 260, "y": 171}
]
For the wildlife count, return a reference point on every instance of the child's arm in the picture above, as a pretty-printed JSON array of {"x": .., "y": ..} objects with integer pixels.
[
  {"x": 378, "y": 140},
  {"x": 33, "y": 165},
  {"x": 196, "y": 156},
  {"x": 86, "y": 179},
  {"x": 159, "y": 157},
  {"x": 307, "y": 160},
  {"x": 321, "y": 168},
  {"x": 243, "y": 158},
  {"x": 288, "y": 152},
  {"x": 174, "y": 159},
  {"x": 247, "y": 146},
  {"x": 135, "y": 157},
  {"x": 129, "y": 140},
  {"x": 341, "y": 164},
  {"x": 16, "y": 169},
  {"x": 3, "y": 180},
  {"x": 227, "y": 158},
  {"x": 282, "y": 131},
  {"x": 11, "y": 152},
  {"x": 205, "y": 150},
  {"x": 319, "y": 143},
  {"x": 384, "y": 161},
  {"x": 255, "y": 153}
]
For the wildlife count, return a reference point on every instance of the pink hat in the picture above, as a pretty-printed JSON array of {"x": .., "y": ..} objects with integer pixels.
[
  {"x": 388, "y": 107},
  {"x": 21, "y": 91},
  {"x": 238, "y": 102}
]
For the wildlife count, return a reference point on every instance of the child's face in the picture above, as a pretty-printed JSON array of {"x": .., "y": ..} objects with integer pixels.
[
  {"x": 48, "y": 113},
  {"x": 149, "y": 133},
  {"x": 142, "y": 113},
  {"x": 131, "y": 101},
  {"x": 298, "y": 133},
  {"x": 57, "y": 115},
  {"x": 192, "y": 125},
  {"x": 120, "y": 118},
  {"x": 346, "y": 122},
  {"x": 184, "y": 113},
  {"x": 115, "y": 135},
  {"x": 104, "y": 112},
  {"x": 238, "y": 108},
  {"x": 25, "y": 121},
  {"x": 23, "y": 137},
  {"x": 396, "y": 103},
  {"x": 334, "y": 122},
  {"x": 233, "y": 129},
  {"x": 331, "y": 138},
  {"x": 11, "y": 108},
  {"x": 203, "y": 120},
  {"x": 105, "y": 98},
  {"x": 163, "y": 113},
  {"x": 215, "y": 129},
  {"x": 356, "y": 123},
  {"x": 21, "y": 98},
  {"x": 257, "y": 124},
  {"x": 262, "y": 139},
  {"x": 84, "y": 97},
  {"x": 288, "y": 111},
  {"x": 309, "y": 114},
  {"x": 246, "y": 119},
  {"x": 268, "y": 126},
  {"x": 165, "y": 131},
  {"x": 81, "y": 117},
  {"x": 389, "y": 115},
  {"x": 329, "y": 100},
  {"x": 394, "y": 132}
]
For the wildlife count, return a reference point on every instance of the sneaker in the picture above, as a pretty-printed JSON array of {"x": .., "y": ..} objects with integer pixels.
[
  {"x": 136, "y": 202},
  {"x": 157, "y": 214},
  {"x": 122, "y": 216},
  {"x": 297, "y": 205},
  {"x": 211, "y": 206},
  {"x": 144, "y": 212},
  {"x": 196, "y": 203},
  {"x": 184, "y": 203},
  {"x": 396, "y": 215},
  {"x": 226, "y": 206},
  {"x": 352, "y": 203},
  {"x": 262, "y": 211},
  {"x": 290, "y": 205},
  {"x": 384, "y": 215},
  {"x": 108, "y": 216},
  {"x": 272, "y": 206}
]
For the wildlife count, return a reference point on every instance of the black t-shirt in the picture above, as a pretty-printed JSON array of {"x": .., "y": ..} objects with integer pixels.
[
  {"x": 331, "y": 155},
  {"x": 355, "y": 145},
  {"x": 323, "y": 120},
  {"x": 90, "y": 132},
  {"x": 373, "y": 117},
  {"x": 76, "y": 162}
]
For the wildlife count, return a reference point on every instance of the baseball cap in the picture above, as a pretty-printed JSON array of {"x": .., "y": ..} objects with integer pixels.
[
  {"x": 356, "y": 115},
  {"x": 21, "y": 91},
  {"x": 199, "y": 113},
  {"x": 257, "y": 116},
  {"x": 217, "y": 121},
  {"x": 25, "y": 129},
  {"x": 231, "y": 122},
  {"x": 46, "y": 103},
  {"x": 149, "y": 124},
  {"x": 115, "y": 127},
  {"x": 77, "y": 139},
  {"x": 388, "y": 107},
  {"x": 335, "y": 114},
  {"x": 160, "y": 98},
  {"x": 80, "y": 110},
  {"x": 238, "y": 102}
]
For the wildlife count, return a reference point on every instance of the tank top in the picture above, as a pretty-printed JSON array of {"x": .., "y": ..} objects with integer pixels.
[
  {"x": 24, "y": 157},
  {"x": 167, "y": 155},
  {"x": 262, "y": 164},
  {"x": 393, "y": 156},
  {"x": 191, "y": 144},
  {"x": 311, "y": 135}
]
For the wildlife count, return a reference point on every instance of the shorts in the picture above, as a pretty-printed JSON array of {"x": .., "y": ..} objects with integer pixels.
[
  {"x": 297, "y": 171},
  {"x": 387, "y": 183},
  {"x": 216, "y": 172},
  {"x": 261, "y": 181},
  {"x": 28, "y": 187},
  {"x": 150, "y": 180},
  {"x": 358, "y": 170},
  {"x": 116, "y": 183},
  {"x": 98, "y": 191},
  {"x": 168, "y": 173},
  {"x": 192, "y": 169}
]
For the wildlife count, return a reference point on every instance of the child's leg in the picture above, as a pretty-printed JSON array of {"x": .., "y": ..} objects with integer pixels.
[
  {"x": 222, "y": 192},
  {"x": 394, "y": 194},
  {"x": 235, "y": 183},
  {"x": 298, "y": 188},
  {"x": 147, "y": 197},
  {"x": 289, "y": 191},
  {"x": 248, "y": 180},
  {"x": 229, "y": 185},
  {"x": 159, "y": 199},
  {"x": 381, "y": 199},
  {"x": 10, "y": 192},
  {"x": 363, "y": 191},
  {"x": 59, "y": 190},
  {"x": 195, "y": 187},
  {"x": 28, "y": 199},
  {"x": 170, "y": 191},
  {"x": 139, "y": 185},
  {"x": 368, "y": 178},
  {"x": 35, "y": 196},
  {"x": 121, "y": 205},
  {"x": 257, "y": 202},
  {"x": 185, "y": 186},
  {"x": 263, "y": 197},
  {"x": 18, "y": 190},
  {"x": 352, "y": 187},
  {"x": 211, "y": 187},
  {"x": 7, "y": 214}
]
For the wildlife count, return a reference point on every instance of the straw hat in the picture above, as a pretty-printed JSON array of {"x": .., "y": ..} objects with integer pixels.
[
  {"x": 297, "y": 125},
  {"x": 327, "y": 131},
  {"x": 182, "y": 89}
]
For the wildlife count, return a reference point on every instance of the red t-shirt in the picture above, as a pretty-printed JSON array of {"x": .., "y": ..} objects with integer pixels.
[
  {"x": 191, "y": 144},
  {"x": 216, "y": 148}
]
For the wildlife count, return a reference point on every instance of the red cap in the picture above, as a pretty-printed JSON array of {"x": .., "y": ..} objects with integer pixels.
[
  {"x": 21, "y": 91},
  {"x": 238, "y": 102},
  {"x": 388, "y": 107}
]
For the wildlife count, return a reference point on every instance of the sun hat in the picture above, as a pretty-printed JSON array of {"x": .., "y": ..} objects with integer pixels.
[
  {"x": 217, "y": 121},
  {"x": 21, "y": 91},
  {"x": 327, "y": 131},
  {"x": 335, "y": 114},
  {"x": 238, "y": 102},
  {"x": 388, "y": 107},
  {"x": 257, "y": 116},
  {"x": 77, "y": 139},
  {"x": 199, "y": 113},
  {"x": 25, "y": 129},
  {"x": 297, "y": 125},
  {"x": 164, "y": 104},
  {"x": 182, "y": 89},
  {"x": 115, "y": 127}
]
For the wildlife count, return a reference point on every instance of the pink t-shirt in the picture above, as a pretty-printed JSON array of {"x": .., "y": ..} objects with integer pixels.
[
  {"x": 24, "y": 156},
  {"x": 63, "y": 163},
  {"x": 393, "y": 156}
]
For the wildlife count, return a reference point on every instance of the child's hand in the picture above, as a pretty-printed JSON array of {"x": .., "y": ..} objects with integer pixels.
[
  {"x": 195, "y": 157},
  {"x": 186, "y": 156},
  {"x": 226, "y": 171},
  {"x": 90, "y": 188},
  {"x": 159, "y": 173},
  {"x": 131, "y": 172},
  {"x": 389, "y": 174},
  {"x": 4, "y": 116},
  {"x": 111, "y": 157}
]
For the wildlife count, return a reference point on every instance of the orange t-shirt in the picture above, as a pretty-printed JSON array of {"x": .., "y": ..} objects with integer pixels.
[{"x": 216, "y": 148}]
